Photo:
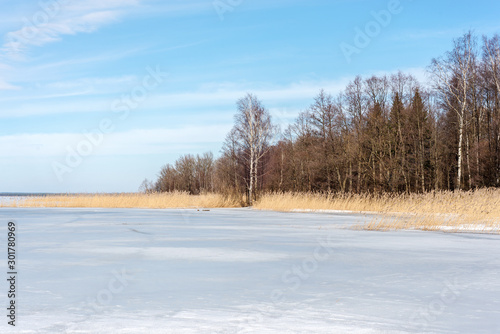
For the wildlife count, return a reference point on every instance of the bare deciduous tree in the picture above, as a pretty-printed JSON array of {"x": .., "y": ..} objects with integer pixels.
[
  {"x": 491, "y": 51},
  {"x": 379, "y": 134},
  {"x": 254, "y": 132},
  {"x": 452, "y": 76}
]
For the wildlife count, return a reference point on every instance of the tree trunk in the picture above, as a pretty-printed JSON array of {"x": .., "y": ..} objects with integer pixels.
[
  {"x": 458, "y": 186},
  {"x": 251, "y": 181},
  {"x": 350, "y": 176},
  {"x": 281, "y": 170},
  {"x": 468, "y": 163}
]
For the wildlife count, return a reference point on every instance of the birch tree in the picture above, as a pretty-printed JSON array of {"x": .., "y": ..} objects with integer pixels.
[
  {"x": 254, "y": 132},
  {"x": 452, "y": 75},
  {"x": 491, "y": 51}
]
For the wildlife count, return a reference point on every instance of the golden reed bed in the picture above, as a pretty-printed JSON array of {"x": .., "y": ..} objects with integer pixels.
[
  {"x": 133, "y": 200},
  {"x": 477, "y": 211}
]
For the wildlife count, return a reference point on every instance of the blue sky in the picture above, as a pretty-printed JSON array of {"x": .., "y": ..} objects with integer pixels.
[{"x": 98, "y": 95}]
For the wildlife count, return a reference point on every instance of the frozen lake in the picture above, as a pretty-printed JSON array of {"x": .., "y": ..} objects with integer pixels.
[{"x": 244, "y": 271}]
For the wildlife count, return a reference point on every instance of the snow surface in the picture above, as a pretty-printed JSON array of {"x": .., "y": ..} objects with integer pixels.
[{"x": 245, "y": 271}]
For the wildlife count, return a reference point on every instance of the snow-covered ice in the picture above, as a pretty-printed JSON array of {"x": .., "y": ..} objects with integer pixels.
[{"x": 245, "y": 271}]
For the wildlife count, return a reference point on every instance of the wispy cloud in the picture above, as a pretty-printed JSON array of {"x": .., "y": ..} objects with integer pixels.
[
  {"x": 91, "y": 84},
  {"x": 427, "y": 34},
  {"x": 90, "y": 5},
  {"x": 103, "y": 57},
  {"x": 177, "y": 7},
  {"x": 448, "y": 33},
  {"x": 208, "y": 96},
  {"x": 4, "y": 84},
  {"x": 138, "y": 141},
  {"x": 57, "y": 18},
  {"x": 7, "y": 86}
]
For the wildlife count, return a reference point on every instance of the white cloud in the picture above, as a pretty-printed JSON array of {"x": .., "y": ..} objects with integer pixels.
[
  {"x": 208, "y": 97},
  {"x": 89, "y": 5},
  {"x": 4, "y": 84},
  {"x": 90, "y": 83},
  {"x": 55, "y": 107},
  {"x": 51, "y": 22},
  {"x": 420, "y": 73},
  {"x": 211, "y": 96},
  {"x": 138, "y": 141},
  {"x": 227, "y": 94},
  {"x": 447, "y": 33},
  {"x": 7, "y": 86}
]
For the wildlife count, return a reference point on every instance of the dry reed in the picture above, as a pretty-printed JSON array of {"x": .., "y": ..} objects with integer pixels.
[
  {"x": 132, "y": 200},
  {"x": 477, "y": 211}
]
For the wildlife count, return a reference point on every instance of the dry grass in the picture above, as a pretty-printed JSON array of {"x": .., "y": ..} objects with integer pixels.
[
  {"x": 134, "y": 200},
  {"x": 477, "y": 211}
]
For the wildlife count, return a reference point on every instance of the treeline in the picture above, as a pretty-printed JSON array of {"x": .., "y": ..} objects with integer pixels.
[{"x": 381, "y": 134}]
